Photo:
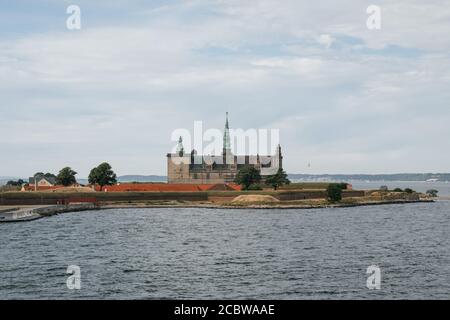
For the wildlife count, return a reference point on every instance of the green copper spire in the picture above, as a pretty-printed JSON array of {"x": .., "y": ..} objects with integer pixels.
[
  {"x": 226, "y": 138},
  {"x": 180, "y": 148}
]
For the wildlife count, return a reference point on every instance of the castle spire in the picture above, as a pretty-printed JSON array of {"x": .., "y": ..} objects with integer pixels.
[
  {"x": 226, "y": 121},
  {"x": 180, "y": 148},
  {"x": 226, "y": 138}
]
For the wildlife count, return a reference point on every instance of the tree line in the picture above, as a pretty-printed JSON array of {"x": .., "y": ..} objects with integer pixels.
[
  {"x": 102, "y": 175},
  {"x": 250, "y": 179}
]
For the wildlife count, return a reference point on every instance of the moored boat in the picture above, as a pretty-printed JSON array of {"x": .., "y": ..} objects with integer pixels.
[{"x": 16, "y": 215}]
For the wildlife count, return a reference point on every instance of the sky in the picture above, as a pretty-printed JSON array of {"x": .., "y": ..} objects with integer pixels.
[{"x": 345, "y": 98}]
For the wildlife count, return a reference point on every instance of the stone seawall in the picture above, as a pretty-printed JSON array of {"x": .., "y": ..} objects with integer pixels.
[
  {"x": 57, "y": 209},
  {"x": 55, "y": 198}
]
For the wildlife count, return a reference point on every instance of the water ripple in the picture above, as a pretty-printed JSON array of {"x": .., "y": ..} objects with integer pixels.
[{"x": 231, "y": 254}]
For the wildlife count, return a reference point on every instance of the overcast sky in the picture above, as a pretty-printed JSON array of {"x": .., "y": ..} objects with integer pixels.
[{"x": 345, "y": 98}]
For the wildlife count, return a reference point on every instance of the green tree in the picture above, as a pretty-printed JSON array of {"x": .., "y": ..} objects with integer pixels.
[
  {"x": 278, "y": 179},
  {"x": 17, "y": 183},
  {"x": 343, "y": 185},
  {"x": 255, "y": 187},
  {"x": 334, "y": 192},
  {"x": 432, "y": 193},
  {"x": 409, "y": 190},
  {"x": 40, "y": 175},
  {"x": 66, "y": 177},
  {"x": 103, "y": 175},
  {"x": 49, "y": 175},
  {"x": 247, "y": 176}
]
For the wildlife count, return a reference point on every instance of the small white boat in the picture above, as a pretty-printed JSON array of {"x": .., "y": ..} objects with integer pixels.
[{"x": 19, "y": 215}]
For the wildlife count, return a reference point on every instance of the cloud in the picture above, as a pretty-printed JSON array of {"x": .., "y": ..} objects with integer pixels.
[
  {"x": 326, "y": 40},
  {"x": 346, "y": 98}
]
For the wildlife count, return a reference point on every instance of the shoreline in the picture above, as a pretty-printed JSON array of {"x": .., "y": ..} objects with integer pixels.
[
  {"x": 265, "y": 206},
  {"x": 31, "y": 213}
]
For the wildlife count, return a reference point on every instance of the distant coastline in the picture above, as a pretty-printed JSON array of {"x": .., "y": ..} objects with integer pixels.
[{"x": 442, "y": 177}]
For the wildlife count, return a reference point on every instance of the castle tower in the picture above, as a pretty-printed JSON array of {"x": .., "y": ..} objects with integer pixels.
[
  {"x": 226, "y": 138},
  {"x": 278, "y": 158},
  {"x": 227, "y": 156},
  {"x": 178, "y": 165},
  {"x": 180, "y": 149}
]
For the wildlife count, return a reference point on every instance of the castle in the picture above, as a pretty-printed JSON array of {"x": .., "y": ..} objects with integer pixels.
[{"x": 199, "y": 169}]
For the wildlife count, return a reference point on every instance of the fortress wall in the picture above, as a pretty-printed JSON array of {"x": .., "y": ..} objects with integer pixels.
[{"x": 36, "y": 198}]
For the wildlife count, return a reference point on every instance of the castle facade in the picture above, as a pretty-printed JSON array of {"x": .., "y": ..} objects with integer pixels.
[{"x": 200, "y": 169}]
